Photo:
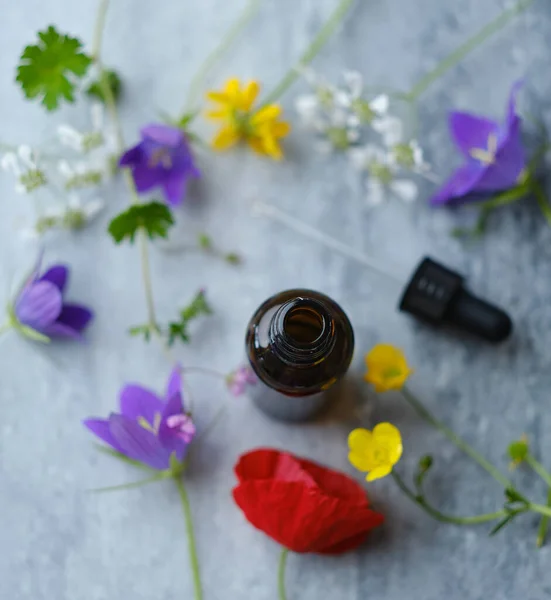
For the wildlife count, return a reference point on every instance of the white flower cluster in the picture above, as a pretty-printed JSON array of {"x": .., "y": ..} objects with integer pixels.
[
  {"x": 85, "y": 162},
  {"x": 373, "y": 139}
]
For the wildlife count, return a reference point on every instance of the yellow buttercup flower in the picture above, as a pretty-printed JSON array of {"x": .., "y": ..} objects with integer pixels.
[
  {"x": 261, "y": 128},
  {"x": 387, "y": 368},
  {"x": 375, "y": 452}
]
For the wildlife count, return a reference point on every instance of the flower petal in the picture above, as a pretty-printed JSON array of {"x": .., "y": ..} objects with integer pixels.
[
  {"x": 38, "y": 305},
  {"x": 147, "y": 178},
  {"x": 75, "y": 316},
  {"x": 172, "y": 443},
  {"x": 461, "y": 183},
  {"x": 471, "y": 131},
  {"x": 137, "y": 401},
  {"x": 174, "y": 385},
  {"x": 379, "y": 472},
  {"x": 58, "y": 275},
  {"x": 138, "y": 443},
  {"x": 175, "y": 188},
  {"x": 133, "y": 156},
  {"x": 163, "y": 134},
  {"x": 405, "y": 189},
  {"x": 268, "y": 113},
  {"x": 250, "y": 94},
  {"x": 388, "y": 436},
  {"x": 100, "y": 428},
  {"x": 227, "y": 137}
]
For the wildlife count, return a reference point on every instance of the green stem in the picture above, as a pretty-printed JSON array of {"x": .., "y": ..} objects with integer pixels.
[
  {"x": 541, "y": 200},
  {"x": 458, "y": 55},
  {"x": 540, "y": 508},
  {"x": 538, "y": 468},
  {"x": 316, "y": 45},
  {"x": 281, "y": 574},
  {"x": 111, "y": 104},
  {"x": 133, "y": 484},
  {"x": 194, "y": 561},
  {"x": 436, "y": 514},
  {"x": 544, "y": 523},
  {"x": 455, "y": 439},
  {"x": 195, "y": 86}
]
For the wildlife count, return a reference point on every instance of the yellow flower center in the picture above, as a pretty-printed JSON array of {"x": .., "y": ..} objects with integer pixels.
[{"x": 486, "y": 156}]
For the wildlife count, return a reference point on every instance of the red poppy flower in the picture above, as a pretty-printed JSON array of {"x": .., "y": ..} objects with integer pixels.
[{"x": 301, "y": 505}]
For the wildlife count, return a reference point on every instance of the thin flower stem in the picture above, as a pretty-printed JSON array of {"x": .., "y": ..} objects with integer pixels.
[
  {"x": 111, "y": 103},
  {"x": 455, "y": 439},
  {"x": 281, "y": 574},
  {"x": 540, "y": 508},
  {"x": 544, "y": 523},
  {"x": 313, "y": 49},
  {"x": 542, "y": 200},
  {"x": 133, "y": 484},
  {"x": 203, "y": 371},
  {"x": 458, "y": 55},
  {"x": 194, "y": 91},
  {"x": 538, "y": 468},
  {"x": 194, "y": 561},
  {"x": 436, "y": 514}
]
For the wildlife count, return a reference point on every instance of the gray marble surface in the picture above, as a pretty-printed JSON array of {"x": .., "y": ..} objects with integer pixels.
[{"x": 59, "y": 542}]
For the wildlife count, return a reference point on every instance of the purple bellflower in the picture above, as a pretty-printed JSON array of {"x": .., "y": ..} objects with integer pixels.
[
  {"x": 149, "y": 429},
  {"x": 494, "y": 153},
  {"x": 162, "y": 159},
  {"x": 40, "y": 312}
]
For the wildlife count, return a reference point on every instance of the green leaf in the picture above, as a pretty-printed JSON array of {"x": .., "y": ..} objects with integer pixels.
[
  {"x": 197, "y": 307},
  {"x": 143, "y": 330},
  {"x": 95, "y": 89},
  {"x": 154, "y": 218},
  {"x": 512, "y": 495},
  {"x": 503, "y": 523},
  {"x": 49, "y": 69}
]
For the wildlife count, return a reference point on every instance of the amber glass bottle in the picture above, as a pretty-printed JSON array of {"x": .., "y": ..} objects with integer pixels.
[{"x": 299, "y": 344}]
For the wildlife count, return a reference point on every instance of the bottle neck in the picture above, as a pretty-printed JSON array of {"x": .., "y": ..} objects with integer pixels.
[{"x": 302, "y": 332}]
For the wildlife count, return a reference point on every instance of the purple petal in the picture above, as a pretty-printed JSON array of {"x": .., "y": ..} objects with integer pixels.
[
  {"x": 38, "y": 305},
  {"x": 170, "y": 439},
  {"x": 58, "y": 275},
  {"x": 138, "y": 443},
  {"x": 471, "y": 131},
  {"x": 174, "y": 385},
  {"x": 462, "y": 182},
  {"x": 132, "y": 157},
  {"x": 163, "y": 134},
  {"x": 75, "y": 316},
  {"x": 100, "y": 428},
  {"x": 136, "y": 402},
  {"x": 147, "y": 178},
  {"x": 175, "y": 187}
]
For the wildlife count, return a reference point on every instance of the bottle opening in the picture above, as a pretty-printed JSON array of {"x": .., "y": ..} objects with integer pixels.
[{"x": 303, "y": 325}]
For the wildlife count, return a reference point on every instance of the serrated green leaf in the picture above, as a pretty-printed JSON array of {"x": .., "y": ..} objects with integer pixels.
[
  {"x": 197, "y": 307},
  {"x": 95, "y": 89},
  {"x": 49, "y": 69},
  {"x": 154, "y": 218}
]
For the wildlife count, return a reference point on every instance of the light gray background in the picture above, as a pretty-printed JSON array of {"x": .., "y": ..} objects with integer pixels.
[{"x": 58, "y": 542}]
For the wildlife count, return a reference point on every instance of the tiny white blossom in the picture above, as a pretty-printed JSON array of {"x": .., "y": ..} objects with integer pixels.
[
  {"x": 24, "y": 165},
  {"x": 85, "y": 141},
  {"x": 390, "y": 128}
]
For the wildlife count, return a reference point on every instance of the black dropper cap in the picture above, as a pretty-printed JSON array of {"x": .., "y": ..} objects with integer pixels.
[{"x": 436, "y": 294}]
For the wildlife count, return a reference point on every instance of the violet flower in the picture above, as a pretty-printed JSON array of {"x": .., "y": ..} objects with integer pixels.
[
  {"x": 40, "y": 312},
  {"x": 240, "y": 379},
  {"x": 495, "y": 155},
  {"x": 162, "y": 159},
  {"x": 149, "y": 429}
]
